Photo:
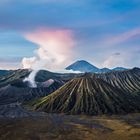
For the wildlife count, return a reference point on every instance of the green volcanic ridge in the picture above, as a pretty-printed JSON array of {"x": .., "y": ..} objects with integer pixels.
[{"x": 93, "y": 94}]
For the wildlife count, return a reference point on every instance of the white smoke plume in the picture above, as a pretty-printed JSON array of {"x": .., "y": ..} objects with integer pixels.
[
  {"x": 31, "y": 79},
  {"x": 54, "y": 52}
]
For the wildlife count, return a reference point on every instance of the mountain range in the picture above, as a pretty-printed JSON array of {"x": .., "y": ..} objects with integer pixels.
[
  {"x": 84, "y": 66},
  {"x": 114, "y": 92}
]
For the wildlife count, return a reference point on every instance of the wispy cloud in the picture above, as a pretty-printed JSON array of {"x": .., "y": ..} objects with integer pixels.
[{"x": 123, "y": 37}]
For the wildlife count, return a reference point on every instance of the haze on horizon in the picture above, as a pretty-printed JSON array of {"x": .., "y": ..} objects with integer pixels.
[{"x": 55, "y": 33}]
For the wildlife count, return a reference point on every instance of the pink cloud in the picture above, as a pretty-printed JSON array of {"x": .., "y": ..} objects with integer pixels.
[{"x": 55, "y": 49}]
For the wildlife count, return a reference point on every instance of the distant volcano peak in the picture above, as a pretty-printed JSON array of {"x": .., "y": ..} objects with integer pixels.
[{"x": 83, "y": 66}]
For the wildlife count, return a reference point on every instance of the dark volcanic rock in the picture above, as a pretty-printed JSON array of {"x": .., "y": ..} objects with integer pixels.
[
  {"x": 15, "y": 110},
  {"x": 12, "y": 96},
  {"x": 16, "y": 93}
]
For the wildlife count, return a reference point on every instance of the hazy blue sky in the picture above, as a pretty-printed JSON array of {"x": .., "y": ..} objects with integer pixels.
[{"x": 106, "y": 32}]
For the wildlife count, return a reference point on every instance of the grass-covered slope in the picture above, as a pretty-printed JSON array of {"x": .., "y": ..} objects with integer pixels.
[{"x": 87, "y": 96}]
